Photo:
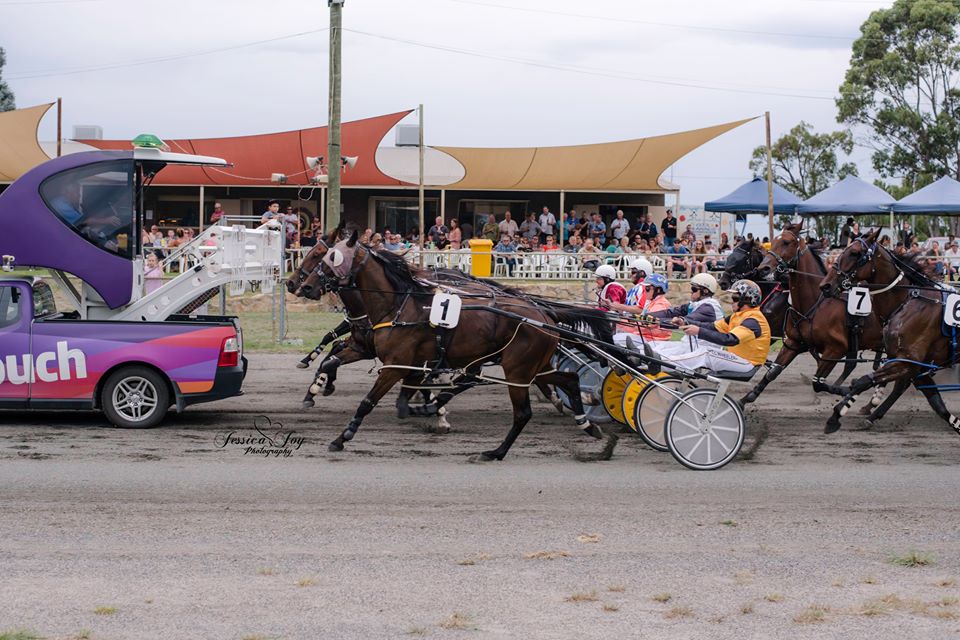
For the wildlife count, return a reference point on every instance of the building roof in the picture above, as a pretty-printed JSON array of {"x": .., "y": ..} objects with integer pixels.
[
  {"x": 19, "y": 149},
  {"x": 255, "y": 157},
  {"x": 630, "y": 165}
]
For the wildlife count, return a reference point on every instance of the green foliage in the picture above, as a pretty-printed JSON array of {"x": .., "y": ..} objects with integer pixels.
[
  {"x": 805, "y": 163},
  {"x": 6, "y": 95},
  {"x": 902, "y": 86}
]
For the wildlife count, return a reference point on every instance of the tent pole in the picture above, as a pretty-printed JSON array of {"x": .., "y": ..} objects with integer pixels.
[
  {"x": 59, "y": 127},
  {"x": 766, "y": 116}
]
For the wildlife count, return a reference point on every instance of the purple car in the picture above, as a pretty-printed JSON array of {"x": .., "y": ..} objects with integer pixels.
[{"x": 82, "y": 214}]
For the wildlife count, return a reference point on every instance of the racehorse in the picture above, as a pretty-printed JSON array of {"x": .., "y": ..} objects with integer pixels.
[
  {"x": 814, "y": 322},
  {"x": 394, "y": 293},
  {"x": 915, "y": 342},
  {"x": 741, "y": 264}
]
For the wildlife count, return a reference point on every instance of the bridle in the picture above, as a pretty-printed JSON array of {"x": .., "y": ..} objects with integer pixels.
[
  {"x": 331, "y": 282},
  {"x": 784, "y": 267},
  {"x": 847, "y": 278}
]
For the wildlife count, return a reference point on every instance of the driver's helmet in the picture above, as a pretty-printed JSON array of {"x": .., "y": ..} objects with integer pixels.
[
  {"x": 642, "y": 264},
  {"x": 706, "y": 281},
  {"x": 749, "y": 292},
  {"x": 657, "y": 280},
  {"x": 606, "y": 271}
]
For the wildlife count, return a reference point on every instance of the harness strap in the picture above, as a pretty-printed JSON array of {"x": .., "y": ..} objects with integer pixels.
[
  {"x": 383, "y": 325},
  {"x": 889, "y": 286}
]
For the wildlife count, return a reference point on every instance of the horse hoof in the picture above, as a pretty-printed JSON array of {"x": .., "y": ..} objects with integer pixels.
[
  {"x": 403, "y": 413},
  {"x": 557, "y": 403},
  {"x": 866, "y": 426},
  {"x": 302, "y": 365},
  {"x": 328, "y": 390},
  {"x": 833, "y": 425},
  {"x": 486, "y": 456},
  {"x": 594, "y": 432},
  {"x": 308, "y": 404},
  {"x": 335, "y": 446}
]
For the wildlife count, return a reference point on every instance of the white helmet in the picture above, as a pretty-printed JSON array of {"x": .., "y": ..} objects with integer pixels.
[
  {"x": 606, "y": 271},
  {"x": 706, "y": 281},
  {"x": 642, "y": 264}
]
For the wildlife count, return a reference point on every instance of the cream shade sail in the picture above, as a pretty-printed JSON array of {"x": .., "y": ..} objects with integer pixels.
[
  {"x": 631, "y": 165},
  {"x": 19, "y": 149}
]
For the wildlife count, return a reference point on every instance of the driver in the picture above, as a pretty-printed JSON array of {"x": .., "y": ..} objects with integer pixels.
[
  {"x": 609, "y": 291},
  {"x": 737, "y": 343}
]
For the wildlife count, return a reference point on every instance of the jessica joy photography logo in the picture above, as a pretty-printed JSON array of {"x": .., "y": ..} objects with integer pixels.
[{"x": 267, "y": 439}]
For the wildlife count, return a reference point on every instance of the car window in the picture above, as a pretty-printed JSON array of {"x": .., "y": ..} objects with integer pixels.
[
  {"x": 43, "y": 300},
  {"x": 9, "y": 305},
  {"x": 96, "y": 201}
]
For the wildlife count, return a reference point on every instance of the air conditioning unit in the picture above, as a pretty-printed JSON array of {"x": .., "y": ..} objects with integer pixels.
[
  {"x": 87, "y": 132},
  {"x": 408, "y": 135}
]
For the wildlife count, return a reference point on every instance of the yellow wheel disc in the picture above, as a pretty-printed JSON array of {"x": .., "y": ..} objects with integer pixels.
[
  {"x": 631, "y": 394},
  {"x": 613, "y": 388}
]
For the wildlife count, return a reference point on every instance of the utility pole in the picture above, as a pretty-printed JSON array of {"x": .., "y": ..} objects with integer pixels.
[
  {"x": 59, "y": 127},
  {"x": 334, "y": 164},
  {"x": 420, "y": 189},
  {"x": 769, "y": 180}
]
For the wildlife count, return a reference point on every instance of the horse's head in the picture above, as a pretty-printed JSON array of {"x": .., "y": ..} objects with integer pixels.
[
  {"x": 336, "y": 267},
  {"x": 741, "y": 263},
  {"x": 312, "y": 260},
  {"x": 856, "y": 264},
  {"x": 784, "y": 253}
]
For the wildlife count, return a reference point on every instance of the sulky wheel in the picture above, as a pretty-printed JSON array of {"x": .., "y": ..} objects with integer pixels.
[
  {"x": 566, "y": 364},
  {"x": 611, "y": 394},
  {"x": 591, "y": 383},
  {"x": 699, "y": 441},
  {"x": 651, "y": 406}
]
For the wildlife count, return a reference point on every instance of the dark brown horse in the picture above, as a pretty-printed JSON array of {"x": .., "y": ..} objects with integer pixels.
[
  {"x": 910, "y": 301},
  {"x": 742, "y": 263},
  {"x": 394, "y": 296},
  {"x": 814, "y": 322}
]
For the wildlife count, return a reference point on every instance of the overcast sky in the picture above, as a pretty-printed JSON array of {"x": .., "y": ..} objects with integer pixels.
[{"x": 490, "y": 72}]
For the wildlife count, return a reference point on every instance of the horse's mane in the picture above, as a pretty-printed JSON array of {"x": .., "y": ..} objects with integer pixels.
[
  {"x": 402, "y": 276},
  {"x": 818, "y": 257},
  {"x": 916, "y": 267}
]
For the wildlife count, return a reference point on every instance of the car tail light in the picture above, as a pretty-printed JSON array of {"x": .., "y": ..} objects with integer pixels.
[{"x": 229, "y": 352}]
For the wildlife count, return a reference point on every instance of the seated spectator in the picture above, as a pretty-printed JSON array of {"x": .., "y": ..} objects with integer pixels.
[
  {"x": 442, "y": 243},
  {"x": 507, "y": 246},
  {"x": 376, "y": 241},
  {"x": 394, "y": 243},
  {"x": 698, "y": 262},
  {"x": 524, "y": 245},
  {"x": 590, "y": 255},
  {"x": 952, "y": 259},
  {"x": 573, "y": 246},
  {"x": 689, "y": 235},
  {"x": 534, "y": 243},
  {"x": 678, "y": 260},
  {"x": 551, "y": 244}
]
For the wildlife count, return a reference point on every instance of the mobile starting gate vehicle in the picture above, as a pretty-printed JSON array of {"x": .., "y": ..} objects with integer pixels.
[{"x": 130, "y": 353}]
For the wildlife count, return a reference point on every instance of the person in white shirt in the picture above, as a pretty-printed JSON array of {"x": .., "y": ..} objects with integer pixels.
[
  {"x": 508, "y": 225},
  {"x": 547, "y": 223},
  {"x": 952, "y": 258},
  {"x": 620, "y": 227}
]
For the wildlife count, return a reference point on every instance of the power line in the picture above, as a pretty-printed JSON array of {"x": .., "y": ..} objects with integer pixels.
[
  {"x": 651, "y": 23},
  {"x": 136, "y": 63},
  {"x": 38, "y": 2},
  {"x": 597, "y": 73}
]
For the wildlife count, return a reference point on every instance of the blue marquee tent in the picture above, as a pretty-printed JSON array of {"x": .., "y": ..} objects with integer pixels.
[
  {"x": 942, "y": 196},
  {"x": 752, "y": 198},
  {"x": 850, "y": 196}
]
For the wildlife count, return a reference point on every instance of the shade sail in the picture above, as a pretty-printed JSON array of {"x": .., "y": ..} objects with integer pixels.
[
  {"x": 752, "y": 198},
  {"x": 850, "y": 196},
  {"x": 255, "y": 157},
  {"x": 942, "y": 196},
  {"x": 631, "y": 165},
  {"x": 19, "y": 149}
]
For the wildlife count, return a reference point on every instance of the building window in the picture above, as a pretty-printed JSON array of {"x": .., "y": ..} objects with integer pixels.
[
  {"x": 477, "y": 211},
  {"x": 402, "y": 215}
]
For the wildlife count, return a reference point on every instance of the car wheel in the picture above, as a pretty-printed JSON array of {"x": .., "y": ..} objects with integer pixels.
[{"x": 135, "y": 398}]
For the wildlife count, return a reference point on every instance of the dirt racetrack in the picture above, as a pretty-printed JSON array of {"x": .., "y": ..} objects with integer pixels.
[{"x": 171, "y": 533}]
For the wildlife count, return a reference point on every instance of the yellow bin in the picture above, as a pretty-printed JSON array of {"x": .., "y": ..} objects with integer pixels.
[{"x": 481, "y": 258}]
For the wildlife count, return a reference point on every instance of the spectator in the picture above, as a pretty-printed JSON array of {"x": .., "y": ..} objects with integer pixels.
[
  {"x": 508, "y": 225},
  {"x": 698, "y": 263},
  {"x": 210, "y": 241},
  {"x": 597, "y": 230},
  {"x": 442, "y": 242},
  {"x": 292, "y": 223},
  {"x": 307, "y": 238},
  {"x": 156, "y": 236},
  {"x": 766, "y": 244},
  {"x": 620, "y": 227},
  {"x": 455, "y": 234},
  {"x": 590, "y": 255},
  {"x": 152, "y": 274},
  {"x": 724, "y": 244},
  {"x": 614, "y": 248},
  {"x": 491, "y": 229},
  {"x": 273, "y": 210},
  {"x": 712, "y": 256},
  {"x": 394, "y": 243},
  {"x": 677, "y": 253},
  {"x": 570, "y": 224},
  {"x": 845, "y": 238},
  {"x": 217, "y": 214},
  {"x": 854, "y": 232},
  {"x": 414, "y": 236},
  {"x": 669, "y": 227},
  {"x": 935, "y": 258},
  {"x": 534, "y": 243},
  {"x": 507, "y": 246},
  {"x": 523, "y": 245},
  {"x": 547, "y": 222},
  {"x": 171, "y": 240},
  {"x": 551, "y": 244},
  {"x": 648, "y": 228},
  {"x": 952, "y": 256},
  {"x": 885, "y": 242},
  {"x": 145, "y": 238},
  {"x": 529, "y": 228},
  {"x": 434, "y": 233},
  {"x": 689, "y": 235},
  {"x": 573, "y": 245}
]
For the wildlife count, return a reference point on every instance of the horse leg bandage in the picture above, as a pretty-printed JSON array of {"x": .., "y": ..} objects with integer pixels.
[
  {"x": 847, "y": 404},
  {"x": 955, "y": 423}
]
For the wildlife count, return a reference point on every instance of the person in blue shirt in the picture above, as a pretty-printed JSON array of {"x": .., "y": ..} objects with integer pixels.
[
  {"x": 597, "y": 230},
  {"x": 507, "y": 245},
  {"x": 677, "y": 256}
]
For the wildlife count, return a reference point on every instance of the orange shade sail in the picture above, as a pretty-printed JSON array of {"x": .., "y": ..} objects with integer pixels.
[{"x": 19, "y": 149}]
